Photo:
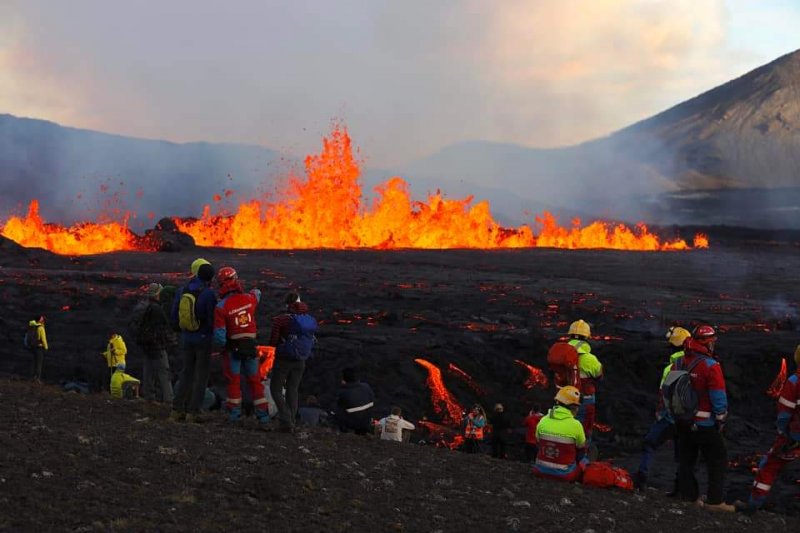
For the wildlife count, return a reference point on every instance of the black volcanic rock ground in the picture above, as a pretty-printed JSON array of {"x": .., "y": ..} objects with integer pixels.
[
  {"x": 86, "y": 463},
  {"x": 379, "y": 311}
]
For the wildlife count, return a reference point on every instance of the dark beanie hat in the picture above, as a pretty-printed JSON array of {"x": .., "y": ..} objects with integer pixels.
[
  {"x": 349, "y": 375},
  {"x": 205, "y": 273}
]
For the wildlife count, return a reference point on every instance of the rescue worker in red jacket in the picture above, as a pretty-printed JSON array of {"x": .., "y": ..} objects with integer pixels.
[
  {"x": 787, "y": 445},
  {"x": 704, "y": 433},
  {"x": 562, "y": 443},
  {"x": 590, "y": 371},
  {"x": 235, "y": 330}
]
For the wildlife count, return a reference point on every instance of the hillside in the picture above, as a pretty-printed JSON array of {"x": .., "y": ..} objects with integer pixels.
[
  {"x": 744, "y": 134},
  {"x": 88, "y": 463},
  {"x": 40, "y": 159}
]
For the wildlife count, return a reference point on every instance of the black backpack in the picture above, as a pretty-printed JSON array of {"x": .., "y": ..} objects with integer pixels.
[{"x": 680, "y": 398}]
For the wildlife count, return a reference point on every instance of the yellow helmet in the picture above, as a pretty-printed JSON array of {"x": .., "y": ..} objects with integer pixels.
[
  {"x": 676, "y": 335},
  {"x": 581, "y": 328},
  {"x": 797, "y": 355},
  {"x": 568, "y": 395},
  {"x": 197, "y": 263}
]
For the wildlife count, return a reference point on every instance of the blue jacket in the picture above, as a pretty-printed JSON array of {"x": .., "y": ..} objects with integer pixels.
[{"x": 204, "y": 308}]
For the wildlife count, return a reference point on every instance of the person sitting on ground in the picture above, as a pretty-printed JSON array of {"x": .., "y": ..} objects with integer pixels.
[
  {"x": 354, "y": 404},
  {"x": 123, "y": 385},
  {"x": 36, "y": 343},
  {"x": 115, "y": 353},
  {"x": 531, "y": 422},
  {"x": 561, "y": 440},
  {"x": 501, "y": 427},
  {"x": 392, "y": 426},
  {"x": 474, "y": 425},
  {"x": 310, "y": 414}
]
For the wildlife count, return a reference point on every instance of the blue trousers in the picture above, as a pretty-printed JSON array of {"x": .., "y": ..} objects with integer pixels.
[{"x": 660, "y": 432}]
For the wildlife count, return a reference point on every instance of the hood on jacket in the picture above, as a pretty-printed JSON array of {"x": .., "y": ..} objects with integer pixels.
[{"x": 560, "y": 413}]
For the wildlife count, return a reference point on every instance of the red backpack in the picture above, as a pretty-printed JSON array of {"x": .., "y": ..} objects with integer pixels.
[
  {"x": 562, "y": 359},
  {"x": 606, "y": 475}
]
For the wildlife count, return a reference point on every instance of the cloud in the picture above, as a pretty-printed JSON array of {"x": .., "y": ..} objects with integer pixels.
[{"x": 408, "y": 78}]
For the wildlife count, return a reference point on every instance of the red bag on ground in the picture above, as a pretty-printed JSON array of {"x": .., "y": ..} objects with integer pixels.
[
  {"x": 562, "y": 359},
  {"x": 606, "y": 475}
]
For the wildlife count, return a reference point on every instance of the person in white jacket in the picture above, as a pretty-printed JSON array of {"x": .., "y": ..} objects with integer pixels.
[{"x": 393, "y": 425}]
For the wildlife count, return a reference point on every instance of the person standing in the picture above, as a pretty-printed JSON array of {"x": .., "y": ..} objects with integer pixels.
[
  {"x": 474, "y": 426},
  {"x": 392, "y": 426},
  {"x": 501, "y": 426},
  {"x": 293, "y": 336},
  {"x": 36, "y": 343},
  {"x": 153, "y": 334},
  {"x": 702, "y": 433},
  {"x": 235, "y": 330},
  {"x": 663, "y": 429},
  {"x": 786, "y": 447},
  {"x": 193, "y": 314},
  {"x": 531, "y": 422},
  {"x": 590, "y": 371},
  {"x": 115, "y": 354}
]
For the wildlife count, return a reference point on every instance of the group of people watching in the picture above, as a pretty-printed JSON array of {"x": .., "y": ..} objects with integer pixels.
[{"x": 692, "y": 408}]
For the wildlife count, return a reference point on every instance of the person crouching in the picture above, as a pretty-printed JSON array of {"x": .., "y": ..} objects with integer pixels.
[{"x": 561, "y": 440}]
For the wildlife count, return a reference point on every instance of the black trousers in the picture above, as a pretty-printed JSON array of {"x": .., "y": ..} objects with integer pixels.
[
  {"x": 286, "y": 373},
  {"x": 194, "y": 377},
  {"x": 38, "y": 359},
  {"x": 499, "y": 447},
  {"x": 709, "y": 442}
]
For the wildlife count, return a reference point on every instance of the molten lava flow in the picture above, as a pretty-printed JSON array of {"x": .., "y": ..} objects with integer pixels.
[
  {"x": 477, "y": 389},
  {"x": 536, "y": 377},
  {"x": 444, "y": 403},
  {"x": 81, "y": 239},
  {"x": 266, "y": 356},
  {"x": 441, "y": 436},
  {"x": 774, "y": 390},
  {"x": 325, "y": 210}
]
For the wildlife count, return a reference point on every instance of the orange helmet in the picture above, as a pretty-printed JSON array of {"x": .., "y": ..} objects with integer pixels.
[{"x": 568, "y": 395}]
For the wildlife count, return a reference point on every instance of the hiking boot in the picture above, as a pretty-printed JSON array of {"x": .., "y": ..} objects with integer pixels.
[
  {"x": 197, "y": 418},
  {"x": 721, "y": 507},
  {"x": 177, "y": 416},
  {"x": 639, "y": 481},
  {"x": 746, "y": 508}
]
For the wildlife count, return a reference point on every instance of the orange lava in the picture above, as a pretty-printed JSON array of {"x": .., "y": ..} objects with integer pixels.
[
  {"x": 774, "y": 390},
  {"x": 536, "y": 377},
  {"x": 81, "y": 239},
  {"x": 443, "y": 402},
  {"x": 326, "y": 209},
  {"x": 266, "y": 356},
  {"x": 477, "y": 389}
]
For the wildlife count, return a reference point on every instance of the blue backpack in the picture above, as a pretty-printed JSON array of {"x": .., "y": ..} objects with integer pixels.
[{"x": 300, "y": 341}]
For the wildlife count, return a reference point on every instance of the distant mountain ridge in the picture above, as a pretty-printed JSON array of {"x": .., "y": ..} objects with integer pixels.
[
  {"x": 41, "y": 159},
  {"x": 730, "y": 141}
]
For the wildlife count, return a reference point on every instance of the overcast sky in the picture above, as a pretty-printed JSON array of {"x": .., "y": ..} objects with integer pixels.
[{"x": 408, "y": 77}]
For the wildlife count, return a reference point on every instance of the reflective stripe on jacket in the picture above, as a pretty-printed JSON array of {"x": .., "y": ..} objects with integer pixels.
[
  {"x": 561, "y": 441},
  {"x": 474, "y": 428}
]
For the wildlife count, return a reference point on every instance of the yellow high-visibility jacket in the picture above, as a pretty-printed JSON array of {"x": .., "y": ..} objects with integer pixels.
[{"x": 116, "y": 351}]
